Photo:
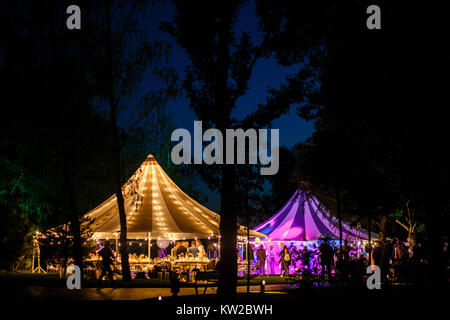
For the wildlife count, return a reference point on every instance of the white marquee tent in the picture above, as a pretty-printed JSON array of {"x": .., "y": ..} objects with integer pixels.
[{"x": 157, "y": 208}]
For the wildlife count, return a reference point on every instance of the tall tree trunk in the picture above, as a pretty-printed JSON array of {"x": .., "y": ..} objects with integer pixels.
[
  {"x": 69, "y": 137},
  {"x": 228, "y": 231},
  {"x": 412, "y": 238},
  {"x": 433, "y": 138},
  {"x": 70, "y": 207},
  {"x": 228, "y": 221},
  {"x": 81, "y": 101},
  {"x": 126, "y": 274},
  {"x": 339, "y": 213},
  {"x": 73, "y": 211},
  {"x": 382, "y": 225},
  {"x": 248, "y": 244}
]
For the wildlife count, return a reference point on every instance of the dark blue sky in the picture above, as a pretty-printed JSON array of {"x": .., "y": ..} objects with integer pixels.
[{"x": 266, "y": 74}]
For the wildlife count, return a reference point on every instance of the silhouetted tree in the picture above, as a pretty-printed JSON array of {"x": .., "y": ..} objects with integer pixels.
[
  {"x": 128, "y": 57},
  {"x": 380, "y": 134},
  {"x": 222, "y": 60}
]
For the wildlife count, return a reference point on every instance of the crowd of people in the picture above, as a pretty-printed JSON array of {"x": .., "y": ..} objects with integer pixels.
[
  {"x": 182, "y": 249},
  {"x": 397, "y": 261}
]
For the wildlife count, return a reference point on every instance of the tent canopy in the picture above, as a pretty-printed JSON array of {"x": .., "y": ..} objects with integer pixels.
[
  {"x": 155, "y": 205},
  {"x": 303, "y": 218}
]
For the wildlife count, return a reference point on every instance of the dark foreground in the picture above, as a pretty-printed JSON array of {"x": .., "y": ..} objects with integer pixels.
[{"x": 289, "y": 302}]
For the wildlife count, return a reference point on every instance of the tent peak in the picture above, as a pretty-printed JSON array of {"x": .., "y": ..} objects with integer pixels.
[{"x": 154, "y": 203}]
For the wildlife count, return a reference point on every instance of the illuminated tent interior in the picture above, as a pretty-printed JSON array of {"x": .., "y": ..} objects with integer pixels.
[
  {"x": 157, "y": 208},
  {"x": 303, "y": 218}
]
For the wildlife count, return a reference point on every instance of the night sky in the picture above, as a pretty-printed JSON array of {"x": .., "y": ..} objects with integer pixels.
[{"x": 266, "y": 74}]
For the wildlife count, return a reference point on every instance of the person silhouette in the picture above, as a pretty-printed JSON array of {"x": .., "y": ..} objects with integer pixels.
[{"x": 107, "y": 263}]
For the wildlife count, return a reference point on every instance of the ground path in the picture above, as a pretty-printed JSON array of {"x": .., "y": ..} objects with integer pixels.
[{"x": 54, "y": 293}]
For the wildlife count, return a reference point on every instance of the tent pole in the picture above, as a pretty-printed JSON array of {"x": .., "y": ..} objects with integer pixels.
[
  {"x": 117, "y": 244},
  {"x": 270, "y": 254},
  {"x": 339, "y": 212},
  {"x": 148, "y": 244},
  {"x": 248, "y": 259}
]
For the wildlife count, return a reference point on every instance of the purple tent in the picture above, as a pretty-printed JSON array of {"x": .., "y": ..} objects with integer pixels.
[{"x": 304, "y": 219}]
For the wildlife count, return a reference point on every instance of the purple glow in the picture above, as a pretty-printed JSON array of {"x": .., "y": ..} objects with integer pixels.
[{"x": 303, "y": 219}]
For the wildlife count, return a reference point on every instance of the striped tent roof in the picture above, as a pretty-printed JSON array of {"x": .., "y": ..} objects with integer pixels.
[
  {"x": 155, "y": 204},
  {"x": 304, "y": 219}
]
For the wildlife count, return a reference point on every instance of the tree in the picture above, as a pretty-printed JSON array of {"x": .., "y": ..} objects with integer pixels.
[
  {"x": 222, "y": 60},
  {"x": 46, "y": 123},
  {"x": 372, "y": 120},
  {"x": 407, "y": 219},
  {"x": 56, "y": 146},
  {"x": 128, "y": 56}
]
